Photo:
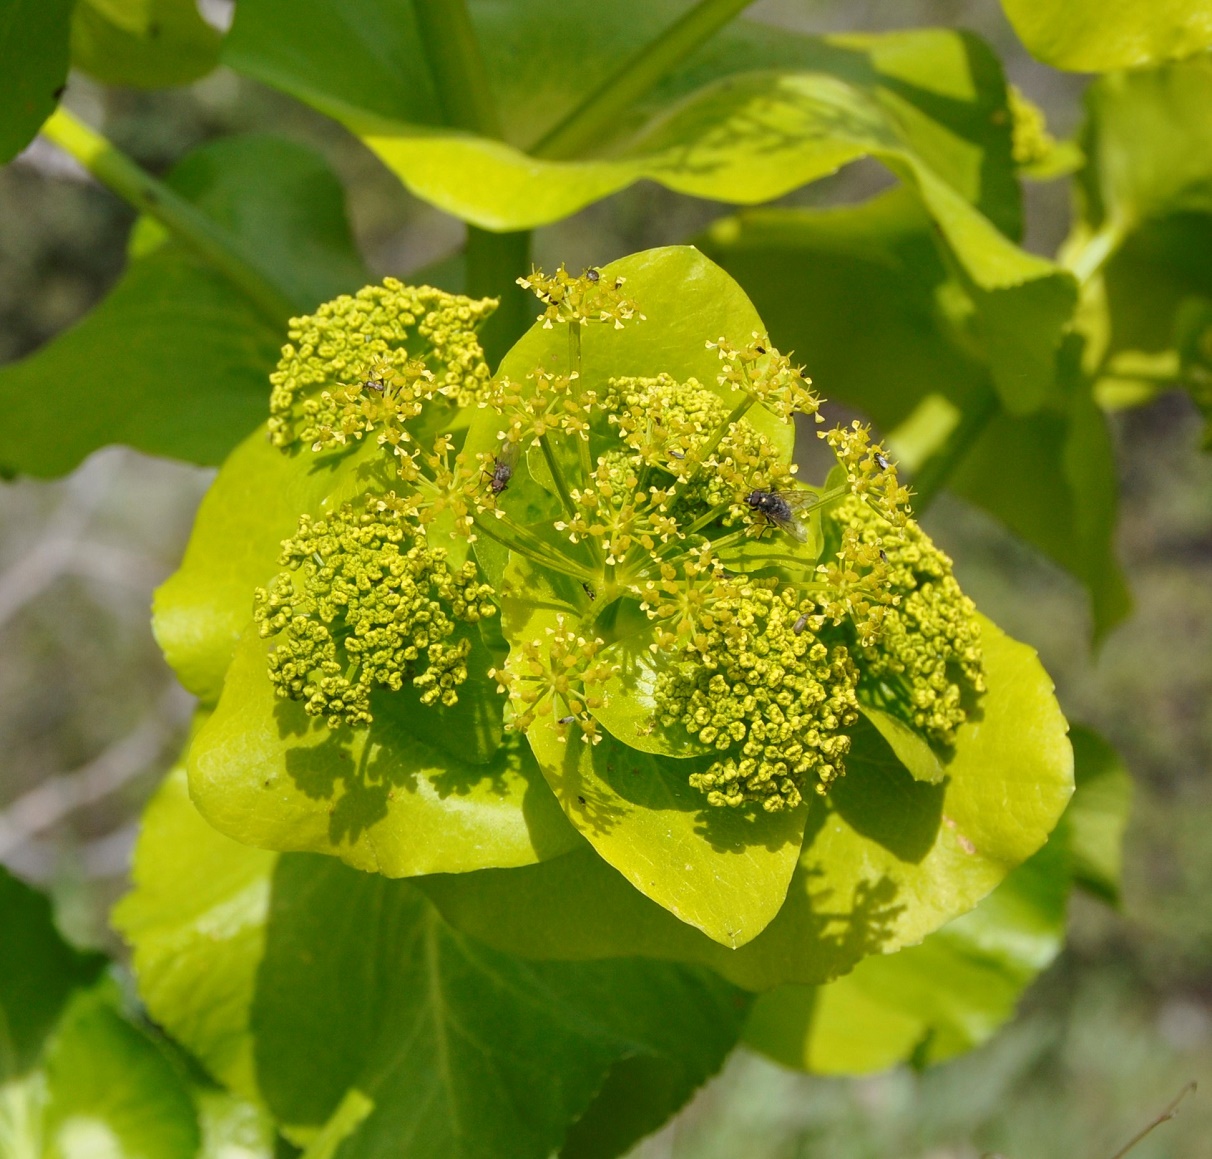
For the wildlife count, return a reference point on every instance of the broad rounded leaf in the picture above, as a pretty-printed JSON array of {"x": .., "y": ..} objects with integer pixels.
[
  {"x": 886, "y": 859},
  {"x": 380, "y": 798},
  {"x": 144, "y": 43},
  {"x": 930, "y": 1002},
  {"x": 174, "y": 361},
  {"x": 33, "y": 61},
  {"x": 1101, "y": 35}
]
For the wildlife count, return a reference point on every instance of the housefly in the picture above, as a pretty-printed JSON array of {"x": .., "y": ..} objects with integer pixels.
[
  {"x": 779, "y": 509},
  {"x": 502, "y": 468}
]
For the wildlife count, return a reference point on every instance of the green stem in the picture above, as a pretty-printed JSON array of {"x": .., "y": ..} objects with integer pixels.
[
  {"x": 557, "y": 475},
  {"x": 593, "y": 118},
  {"x": 457, "y": 66},
  {"x": 494, "y": 263},
  {"x": 524, "y": 543},
  {"x": 934, "y": 473},
  {"x": 115, "y": 170}
]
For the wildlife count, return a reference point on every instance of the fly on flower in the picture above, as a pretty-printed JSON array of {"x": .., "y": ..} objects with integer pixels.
[
  {"x": 782, "y": 509},
  {"x": 501, "y": 471}
]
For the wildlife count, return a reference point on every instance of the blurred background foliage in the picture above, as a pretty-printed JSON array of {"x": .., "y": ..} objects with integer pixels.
[{"x": 90, "y": 715}]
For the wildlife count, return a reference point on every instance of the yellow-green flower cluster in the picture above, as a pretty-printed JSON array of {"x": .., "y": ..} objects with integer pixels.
[
  {"x": 558, "y": 675},
  {"x": 758, "y": 685},
  {"x": 870, "y": 474},
  {"x": 1030, "y": 142},
  {"x": 589, "y": 297},
  {"x": 366, "y": 603},
  {"x": 928, "y": 648},
  {"x": 366, "y": 363},
  {"x": 760, "y": 371}
]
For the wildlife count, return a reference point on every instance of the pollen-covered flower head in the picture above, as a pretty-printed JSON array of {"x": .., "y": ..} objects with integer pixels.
[
  {"x": 364, "y": 364},
  {"x": 365, "y": 602},
  {"x": 589, "y": 297}
]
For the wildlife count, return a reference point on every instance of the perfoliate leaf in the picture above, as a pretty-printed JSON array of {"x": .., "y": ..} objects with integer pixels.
[
  {"x": 143, "y": 43},
  {"x": 1102, "y": 35},
  {"x": 380, "y": 798},
  {"x": 928, "y": 1002},
  {"x": 825, "y": 281},
  {"x": 886, "y": 859},
  {"x": 38, "y": 972},
  {"x": 174, "y": 361},
  {"x": 33, "y": 61},
  {"x": 1096, "y": 819},
  {"x": 399, "y": 1027}
]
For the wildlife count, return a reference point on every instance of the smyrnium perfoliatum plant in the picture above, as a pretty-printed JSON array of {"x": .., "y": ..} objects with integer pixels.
[{"x": 574, "y": 644}]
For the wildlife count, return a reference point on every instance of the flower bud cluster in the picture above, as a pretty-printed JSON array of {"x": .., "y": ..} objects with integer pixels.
[
  {"x": 928, "y": 647},
  {"x": 366, "y": 603},
  {"x": 755, "y": 683},
  {"x": 558, "y": 675},
  {"x": 591, "y": 297},
  {"x": 368, "y": 361}
]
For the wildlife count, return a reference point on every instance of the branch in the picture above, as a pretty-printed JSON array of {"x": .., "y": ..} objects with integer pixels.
[
  {"x": 457, "y": 66},
  {"x": 205, "y": 236},
  {"x": 593, "y": 118},
  {"x": 1164, "y": 1117}
]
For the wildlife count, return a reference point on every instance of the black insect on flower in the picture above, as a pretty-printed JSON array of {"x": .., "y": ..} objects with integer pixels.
[
  {"x": 592, "y": 274},
  {"x": 502, "y": 468},
  {"x": 778, "y": 510},
  {"x": 881, "y": 460}
]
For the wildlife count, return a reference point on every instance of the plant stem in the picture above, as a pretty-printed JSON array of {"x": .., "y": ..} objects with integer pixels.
[
  {"x": 457, "y": 66},
  {"x": 593, "y": 118},
  {"x": 934, "y": 473},
  {"x": 119, "y": 173},
  {"x": 494, "y": 263}
]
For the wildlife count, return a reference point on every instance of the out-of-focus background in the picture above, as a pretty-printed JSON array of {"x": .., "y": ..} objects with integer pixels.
[{"x": 90, "y": 715}]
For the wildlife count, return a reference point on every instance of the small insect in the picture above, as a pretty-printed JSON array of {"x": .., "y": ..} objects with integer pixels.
[
  {"x": 881, "y": 460},
  {"x": 779, "y": 510},
  {"x": 800, "y": 625},
  {"x": 502, "y": 468},
  {"x": 883, "y": 556},
  {"x": 566, "y": 720},
  {"x": 759, "y": 349},
  {"x": 375, "y": 382},
  {"x": 592, "y": 274},
  {"x": 589, "y": 591},
  {"x": 677, "y": 454}
]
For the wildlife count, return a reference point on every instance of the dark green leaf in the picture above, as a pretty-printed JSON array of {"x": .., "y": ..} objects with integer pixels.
[
  {"x": 175, "y": 360},
  {"x": 144, "y": 43},
  {"x": 38, "y": 972},
  {"x": 1093, "y": 36},
  {"x": 398, "y": 1029},
  {"x": 463, "y": 1051},
  {"x": 33, "y": 62}
]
